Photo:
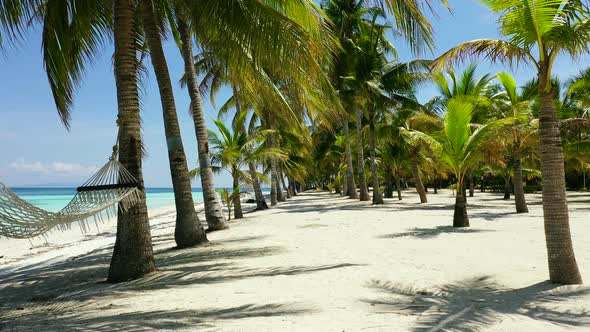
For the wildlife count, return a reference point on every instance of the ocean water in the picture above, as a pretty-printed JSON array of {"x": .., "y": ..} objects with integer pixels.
[{"x": 54, "y": 199}]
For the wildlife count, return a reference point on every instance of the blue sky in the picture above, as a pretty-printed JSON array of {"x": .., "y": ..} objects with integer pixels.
[{"x": 37, "y": 150}]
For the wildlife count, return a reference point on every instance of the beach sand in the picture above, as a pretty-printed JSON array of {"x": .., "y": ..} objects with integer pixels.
[{"x": 319, "y": 262}]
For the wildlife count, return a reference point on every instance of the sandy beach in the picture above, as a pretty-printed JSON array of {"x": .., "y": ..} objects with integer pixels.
[{"x": 319, "y": 262}]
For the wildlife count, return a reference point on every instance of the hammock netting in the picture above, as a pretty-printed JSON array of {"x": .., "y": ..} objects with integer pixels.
[{"x": 111, "y": 189}]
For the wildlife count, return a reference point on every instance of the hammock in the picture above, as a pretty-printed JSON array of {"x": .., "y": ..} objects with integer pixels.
[{"x": 112, "y": 184}]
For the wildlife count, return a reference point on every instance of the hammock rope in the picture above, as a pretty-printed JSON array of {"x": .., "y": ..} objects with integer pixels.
[{"x": 112, "y": 185}]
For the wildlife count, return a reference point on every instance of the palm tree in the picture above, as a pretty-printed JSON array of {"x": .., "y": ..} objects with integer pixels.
[
  {"x": 347, "y": 17},
  {"x": 213, "y": 212},
  {"x": 67, "y": 47},
  {"x": 458, "y": 146},
  {"x": 188, "y": 231},
  {"x": 286, "y": 35},
  {"x": 518, "y": 108},
  {"x": 537, "y": 32},
  {"x": 234, "y": 149}
]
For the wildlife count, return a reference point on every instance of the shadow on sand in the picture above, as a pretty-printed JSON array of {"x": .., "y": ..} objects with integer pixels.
[
  {"x": 473, "y": 304},
  {"x": 69, "y": 293},
  {"x": 429, "y": 233}
]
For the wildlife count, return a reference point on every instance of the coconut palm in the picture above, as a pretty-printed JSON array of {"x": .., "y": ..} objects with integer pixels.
[
  {"x": 518, "y": 108},
  {"x": 347, "y": 17},
  {"x": 281, "y": 34},
  {"x": 458, "y": 146},
  {"x": 234, "y": 149},
  {"x": 536, "y": 32},
  {"x": 67, "y": 48},
  {"x": 188, "y": 231}
]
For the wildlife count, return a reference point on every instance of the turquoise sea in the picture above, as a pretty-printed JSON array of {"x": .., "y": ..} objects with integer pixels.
[{"x": 54, "y": 199}]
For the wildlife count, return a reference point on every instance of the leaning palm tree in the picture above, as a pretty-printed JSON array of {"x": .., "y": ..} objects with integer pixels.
[
  {"x": 67, "y": 48},
  {"x": 458, "y": 146},
  {"x": 347, "y": 17},
  {"x": 536, "y": 32},
  {"x": 188, "y": 231},
  {"x": 280, "y": 34}
]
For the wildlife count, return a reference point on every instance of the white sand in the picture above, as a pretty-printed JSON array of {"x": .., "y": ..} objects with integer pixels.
[{"x": 316, "y": 263}]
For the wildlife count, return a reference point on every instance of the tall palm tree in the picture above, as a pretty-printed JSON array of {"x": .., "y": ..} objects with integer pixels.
[
  {"x": 280, "y": 34},
  {"x": 133, "y": 253},
  {"x": 213, "y": 211},
  {"x": 234, "y": 149},
  {"x": 458, "y": 146},
  {"x": 67, "y": 48},
  {"x": 518, "y": 108},
  {"x": 536, "y": 32},
  {"x": 188, "y": 231},
  {"x": 347, "y": 17}
]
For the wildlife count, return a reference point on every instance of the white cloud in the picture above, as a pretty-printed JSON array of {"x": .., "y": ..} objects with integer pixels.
[{"x": 53, "y": 167}]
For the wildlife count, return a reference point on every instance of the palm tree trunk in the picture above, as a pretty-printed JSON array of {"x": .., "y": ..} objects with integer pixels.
[
  {"x": 133, "y": 255},
  {"x": 260, "y": 201},
  {"x": 388, "y": 183},
  {"x": 350, "y": 185},
  {"x": 280, "y": 193},
  {"x": 292, "y": 186},
  {"x": 563, "y": 268},
  {"x": 364, "y": 191},
  {"x": 188, "y": 229},
  {"x": 519, "y": 198},
  {"x": 471, "y": 186},
  {"x": 213, "y": 211},
  {"x": 377, "y": 198},
  {"x": 399, "y": 188},
  {"x": 285, "y": 188},
  {"x": 271, "y": 142},
  {"x": 273, "y": 185},
  {"x": 237, "y": 200},
  {"x": 507, "y": 187},
  {"x": 460, "y": 217},
  {"x": 417, "y": 180}
]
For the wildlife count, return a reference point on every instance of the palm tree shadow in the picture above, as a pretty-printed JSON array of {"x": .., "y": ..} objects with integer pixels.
[
  {"x": 106, "y": 320},
  {"x": 473, "y": 304},
  {"x": 429, "y": 233}
]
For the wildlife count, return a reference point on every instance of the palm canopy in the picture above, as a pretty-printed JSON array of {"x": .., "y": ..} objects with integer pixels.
[
  {"x": 459, "y": 142},
  {"x": 290, "y": 35},
  {"x": 536, "y": 32},
  {"x": 232, "y": 149}
]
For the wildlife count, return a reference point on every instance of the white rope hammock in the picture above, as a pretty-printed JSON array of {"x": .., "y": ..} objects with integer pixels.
[{"x": 112, "y": 184}]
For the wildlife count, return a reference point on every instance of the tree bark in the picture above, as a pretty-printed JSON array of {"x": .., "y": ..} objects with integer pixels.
[
  {"x": 388, "y": 183},
  {"x": 292, "y": 186},
  {"x": 521, "y": 206},
  {"x": 471, "y": 186},
  {"x": 285, "y": 188},
  {"x": 274, "y": 187},
  {"x": 133, "y": 253},
  {"x": 280, "y": 194},
  {"x": 563, "y": 268},
  {"x": 507, "y": 187},
  {"x": 377, "y": 198},
  {"x": 238, "y": 214},
  {"x": 364, "y": 191},
  {"x": 259, "y": 196},
  {"x": 350, "y": 184},
  {"x": 213, "y": 211},
  {"x": 399, "y": 188},
  {"x": 188, "y": 230},
  {"x": 460, "y": 217},
  {"x": 417, "y": 180}
]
